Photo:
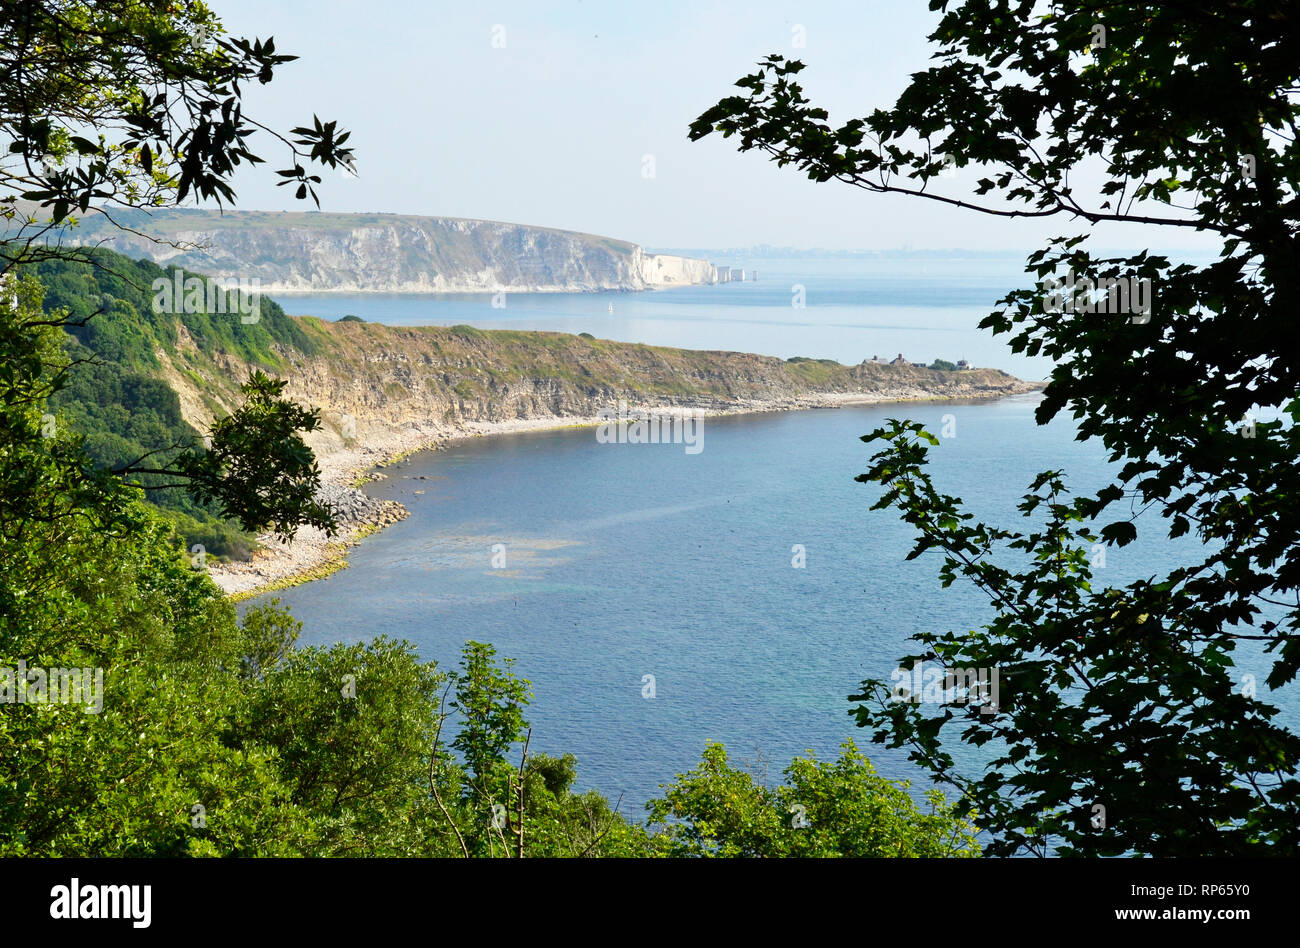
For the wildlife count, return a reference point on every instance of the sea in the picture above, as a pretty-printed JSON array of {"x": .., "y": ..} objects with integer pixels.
[{"x": 658, "y": 599}]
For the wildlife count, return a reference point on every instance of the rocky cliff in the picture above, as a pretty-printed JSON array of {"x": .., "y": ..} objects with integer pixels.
[
  {"x": 389, "y": 253},
  {"x": 370, "y": 380}
]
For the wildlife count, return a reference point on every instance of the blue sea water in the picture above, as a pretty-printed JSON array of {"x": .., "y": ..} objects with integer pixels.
[{"x": 626, "y": 561}]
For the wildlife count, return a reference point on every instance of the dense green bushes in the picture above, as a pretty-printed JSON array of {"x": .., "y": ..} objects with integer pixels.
[
  {"x": 825, "y": 810},
  {"x": 113, "y": 394},
  {"x": 130, "y": 330}
]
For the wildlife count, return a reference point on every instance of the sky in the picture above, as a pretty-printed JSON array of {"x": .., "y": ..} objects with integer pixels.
[{"x": 550, "y": 113}]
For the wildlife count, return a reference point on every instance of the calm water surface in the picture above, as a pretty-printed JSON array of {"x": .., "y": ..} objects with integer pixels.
[
  {"x": 623, "y": 561},
  {"x": 631, "y": 560}
]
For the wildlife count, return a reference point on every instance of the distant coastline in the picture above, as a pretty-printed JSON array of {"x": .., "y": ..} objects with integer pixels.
[{"x": 324, "y": 252}]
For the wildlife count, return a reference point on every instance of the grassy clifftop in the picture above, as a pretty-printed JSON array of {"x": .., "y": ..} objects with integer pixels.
[
  {"x": 461, "y": 373},
  {"x": 169, "y": 221}
]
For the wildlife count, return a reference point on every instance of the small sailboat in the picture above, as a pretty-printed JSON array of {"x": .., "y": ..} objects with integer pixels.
[{"x": 611, "y": 309}]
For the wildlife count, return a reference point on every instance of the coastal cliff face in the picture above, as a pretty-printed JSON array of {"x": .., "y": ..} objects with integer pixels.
[
  {"x": 300, "y": 252},
  {"x": 371, "y": 380},
  {"x": 658, "y": 270}
]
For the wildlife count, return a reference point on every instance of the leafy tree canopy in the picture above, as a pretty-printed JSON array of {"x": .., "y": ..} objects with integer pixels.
[
  {"x": 825, "y": 810},
  {"x": 133, "y": 103}
]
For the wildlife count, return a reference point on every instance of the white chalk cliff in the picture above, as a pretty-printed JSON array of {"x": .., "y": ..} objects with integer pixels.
[{"x": 391, "y": 253}]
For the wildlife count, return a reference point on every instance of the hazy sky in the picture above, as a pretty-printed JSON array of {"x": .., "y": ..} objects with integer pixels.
[{"x": 553, "y": 129}]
